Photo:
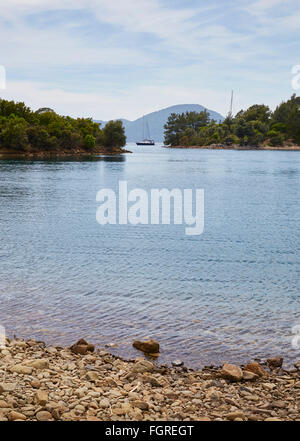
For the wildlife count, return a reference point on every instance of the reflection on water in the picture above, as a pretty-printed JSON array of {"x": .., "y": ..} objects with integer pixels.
[{"x": 232, "y": 293}]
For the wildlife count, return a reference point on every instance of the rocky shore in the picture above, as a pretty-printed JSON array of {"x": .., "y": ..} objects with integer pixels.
[
  {"x": 75, "y": 153},
  {"x": 39, "y": 383}
]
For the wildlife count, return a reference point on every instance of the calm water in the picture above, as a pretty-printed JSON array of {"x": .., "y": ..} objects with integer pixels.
[{"x": 229, "y": 294}]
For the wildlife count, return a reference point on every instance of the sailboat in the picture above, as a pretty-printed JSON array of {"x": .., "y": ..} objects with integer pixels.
[{"x": 146, "y": 141}]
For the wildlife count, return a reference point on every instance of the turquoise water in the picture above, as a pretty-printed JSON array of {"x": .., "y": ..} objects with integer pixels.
[{"x": 230, "y": 294}]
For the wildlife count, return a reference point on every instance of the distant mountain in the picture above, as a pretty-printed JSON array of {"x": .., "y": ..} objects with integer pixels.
[{"x": 157, "y": 120}]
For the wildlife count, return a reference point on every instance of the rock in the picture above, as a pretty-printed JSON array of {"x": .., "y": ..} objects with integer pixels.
[
  {"x": 92, "y": 376},
  {"x": 104, "y": 403},
  {"x": 43, "y": 363},
  {"x": 203, "y": 419},
  {"x": 152, "y": 380},
  {"x": 274, "y": 363},
  {"x": 4, "y": 404},
  {"x": 43, "y": 415},
  {"x": 177, "y": 363},
  {"x": 82, "y": 347},
  {"x": 149, "y": 346},
  {"x": 250, "y": 376},
  {"x": 231, "y": 372},
  {"x": 234, "y": 415},
  {"x": 140, "y": 404},
  {"x": 272, "y": 419},
  {"x": 35, "y": 384},
  {"x": 256, "y": 369},
  {"x": 143, "y": 366},
  {"x": 213, "y": 394},
  {"x": 297, "y": 365},
  {"x": 21, "y": 369},
  {"x": 13, "y": 416},
  {"x": 41, "y": 398},
  {"x": 7, "y": 387}
]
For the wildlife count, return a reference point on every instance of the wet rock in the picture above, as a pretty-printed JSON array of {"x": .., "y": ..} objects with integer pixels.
[
  {"x": 149, "y": 346},
  {"x": 256, "y": 368},
  {"x": 177, "y": 363},
  {"x": 82, "y": 347},
  {"x": 231, "y": 372},
  {"x": 274, "y": 363}
]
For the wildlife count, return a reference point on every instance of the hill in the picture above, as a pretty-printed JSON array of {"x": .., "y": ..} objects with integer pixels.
[{"x": 157, "y": 120}]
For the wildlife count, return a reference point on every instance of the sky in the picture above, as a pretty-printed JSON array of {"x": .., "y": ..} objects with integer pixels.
[{"x": 109, "y": 59}]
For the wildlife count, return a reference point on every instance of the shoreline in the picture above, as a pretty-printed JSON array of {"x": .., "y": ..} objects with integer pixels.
[
  {"x": 50, "y": 383},
  {"x": 236, "y": 147},
  {"x": 4, "y": 154}
]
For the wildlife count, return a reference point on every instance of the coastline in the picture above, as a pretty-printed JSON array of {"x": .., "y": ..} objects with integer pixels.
[
  {"x": 294, "y": 148},
  {"x": 76, "y": 153},
  {"x": 48, "y": 383}
]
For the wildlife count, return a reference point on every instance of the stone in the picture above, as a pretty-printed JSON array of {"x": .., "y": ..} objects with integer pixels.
[
  {"x": 152, "y": 380},
  {"x": 82, "y": 347},
  {"x": 256, "y": 368},
  {"x": 143, "y": 366},
  {"x": 43, "y": 363},
  {"x": 213, "y": 394},
  {"x": 177, "y": 363},
  {"x": 4, "y": 404},
  {"x": 43, "y": 415},
  {"x": 231, "y": 372},
  {"x": 203, "y": 419},
  {"x": 92, "y": 376},
  {"x": 7, "y": 387},
  {"x": 149, "y": 346},
  {"x": 250, "y": 376},
  {"x": 272, "y": 419},
  {"x": 35, "y": 384},
  {"x": 14, "y": 416},
  {"x": 21, "y": 369},
  {"x": 104, "y": 403},
  {"x": 297, "y": 365},
  {"x": 41, "y": 398},
  {"x": 140, "y": 404},
  {"x": 234, "y": 415},
  {"x": 274, "y": 363}
]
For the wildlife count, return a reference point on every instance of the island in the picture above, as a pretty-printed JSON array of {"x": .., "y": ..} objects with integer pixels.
[
  {"x": 257, "y": 128},
  {"x": 44, "y": 133}
]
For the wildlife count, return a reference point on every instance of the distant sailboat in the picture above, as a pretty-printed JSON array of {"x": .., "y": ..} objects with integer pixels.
[{"x": 146, "y": 141}]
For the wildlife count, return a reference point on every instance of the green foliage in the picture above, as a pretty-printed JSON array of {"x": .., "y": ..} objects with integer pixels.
[
  {"x": 24, "y": 130},
  {"x": 114, "y": 134},
  {"x": 252, "y": 127}
]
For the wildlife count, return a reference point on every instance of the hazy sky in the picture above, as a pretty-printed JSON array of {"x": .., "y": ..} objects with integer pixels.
[{"x": 124, "y": 58}]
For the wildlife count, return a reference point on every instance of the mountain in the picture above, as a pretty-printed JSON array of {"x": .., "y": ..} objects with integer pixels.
[{"x": 157, "y": 120}]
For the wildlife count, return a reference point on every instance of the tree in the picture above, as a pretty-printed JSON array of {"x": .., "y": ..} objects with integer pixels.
[{"x": 114, "y": 134}]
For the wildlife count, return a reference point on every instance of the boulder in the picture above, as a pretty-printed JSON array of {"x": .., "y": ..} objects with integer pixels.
[
  {"x": 82, "y": 347},
  {"x": 256, "y": 369},
  {"x": 274, "y": 363},
  {"x": 148, "y": 347},
  {"x": 231, "y": 372}
]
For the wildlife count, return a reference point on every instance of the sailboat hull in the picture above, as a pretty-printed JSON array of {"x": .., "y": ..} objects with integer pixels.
[{"x": 145, "y": 143}]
